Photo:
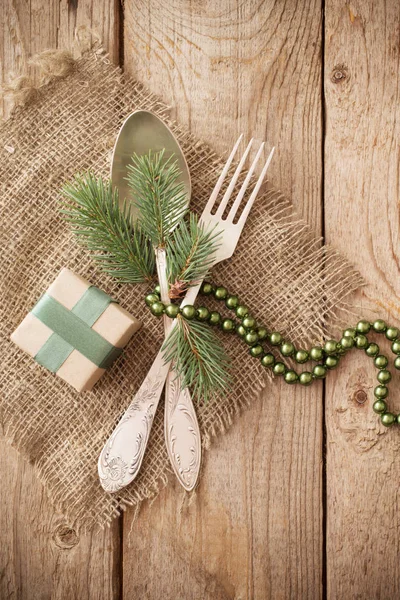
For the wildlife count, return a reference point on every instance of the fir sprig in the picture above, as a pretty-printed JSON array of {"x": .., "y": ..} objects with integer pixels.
[
  {"x": 190, "y": 252},
  {"x": 92, "y": 208},
  {"x": 159, "y": 196},
  {"x": 199, "y": 359}
]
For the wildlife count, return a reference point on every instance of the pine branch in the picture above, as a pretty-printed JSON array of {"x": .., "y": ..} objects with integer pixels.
[
  {"x": 160, "y": 198},
  {"x": 92, "y": 208},
  {"x": 199, "y": 359},
  {"x": 190, "y": 252}
]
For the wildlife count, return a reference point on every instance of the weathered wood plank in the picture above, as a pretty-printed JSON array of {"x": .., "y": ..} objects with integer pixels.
[
  {"x": 41, "y": 556},
  {"x": 254, "y": 530},
  {"x": 362, "y": 214}
]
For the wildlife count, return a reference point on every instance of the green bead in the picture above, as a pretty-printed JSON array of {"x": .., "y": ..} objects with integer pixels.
[
  {"x": 251, "y": 337},
  {"x": 157, "y": 308},
  {"x": 151, "y": 298},
  {"x": 381, "y": 361},
  {"x": 221, "y": 293},
  {"x": 241, "y": 311},
  {"x": 232, "y": 302},
  {"x": 262, "y": 333},
  {"x": 396, "y": 347},
  {"x": 361, "y": 341},
  {"x": 398, "y": 419},
  {"x": 268, "y": 360},
  {"x": 319, "y": 371},
  {"x": 206, "y": 289},
  {"x": 291, "y": 376},
  {"x": 203, "y": 314},
  {"x": 228, "y": 325},
  {"x": 316, "y": 353},
  {"x": 256, "y": 350},
  {"x": 172, "y": 310},
  {"x": 379, "y": 326},
  {"x": 363, "y": 327},
  {"x": 379, "y": 406},
  {"x": 347, "y": 342},
  {"x": 214, "y": 318},
  {"x": 349, "y": 332},
  {"x": 331, "y": 362},
  {"x": 387, "y": 419},
  {"x": 275, "y": 338},
  {"x": 301, "y": 356},
  {"x": 381, "y": 392},
  {"x": 189, "y": 312},
  {"x": 249, "y": 322},
  {"x": 241, "y": 331},
  {"x": 397, "y": 363},
  {"x": 157, "y": 290},
  {"x": 372, "y": 350},
  {"x": 330, "y": 347},
  {"x": 305, "y": 378},
  {"x": 392, "y": 333},
  {"x": 279, "y": 368},
  {"x": 384, "y": 376},
  {"x": 287, "y": 349}
]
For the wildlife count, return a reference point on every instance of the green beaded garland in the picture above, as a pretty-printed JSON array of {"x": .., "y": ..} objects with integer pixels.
[
  {"x": 151, "y": 299},
  {"x": 330, "y": 347},
  {"x": 228, "y": 325},
  {"x": 379, "y": 326},
  {"x": 203, "y": 314},
  {"x": 172, "y": 310},
  {"x": 220, "y": 293},
  {"x": 363, "y": 327},
  {"x": 384, "y": 376},
  {"x": 397, "y": 363},
  {"x": 279, "y": 368},
  {"x": 157, "y": 289},
  {"x": 392, "y": 333},
  {"x": 316, "y": 353},
  {"x": 361, "y": 341},
  {"x": 157, "y": 308},
  {"x": 241, "y": 331},
  {"x": 379, "y": 406},
  {"x": 207, "y": 288},
  {"x": 349, "y": 332},
  {"x": 241, "y": 311},
  {"x": 291, "y": 376},
  {"x": 381, "y": 392},
  {"x": 387, "y": 419},
  {"x": 287, "y": 349},
  {"x": 301, "y": 356},
  {"x": 347, "y": 342},
  {"x": 319, "y": 371},
  {"x": 188, "y": 312},
  {"x": 232, "y": 302},
  {"x": 214, "y": 318},
  {"x": 372, "y": 350},
  {"x": 249, "y": 322},
  {"x": 275, "y": 338},
  {"x": 256, "y": 350},
  {"x": 381, "y": 361},
  {"x": 262, "y": 333},
  {"x": 331, "y": 362},
  {"x": 268, "y": 360},
  {"x": 251, "y": 337},
  {"x": 306, "y": 378},
  {"x": 396, "y": 347}
]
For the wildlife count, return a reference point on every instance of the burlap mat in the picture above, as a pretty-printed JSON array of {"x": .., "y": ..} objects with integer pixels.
[{"x": 280, "y": 270}]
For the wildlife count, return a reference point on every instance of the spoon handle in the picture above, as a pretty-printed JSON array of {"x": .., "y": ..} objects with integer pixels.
[{"x": 181, "y": 428}]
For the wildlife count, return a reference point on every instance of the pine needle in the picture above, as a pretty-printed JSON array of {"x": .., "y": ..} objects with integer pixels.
[
  {"x": 91, "y": 207},
  {"x": 199, "y": 359},
  {"x": 160, "y": 198}
]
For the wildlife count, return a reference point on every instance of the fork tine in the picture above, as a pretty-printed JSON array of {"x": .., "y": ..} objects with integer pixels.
[
  {"x": 245, "y": 183},
  {"x": 230, "y": 188},
  {"x": 254, "y": 193},
  {"x": 221, "y": 178}
]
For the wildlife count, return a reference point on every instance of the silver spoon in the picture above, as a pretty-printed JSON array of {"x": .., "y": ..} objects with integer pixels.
[{"x": 143, "y": 131}]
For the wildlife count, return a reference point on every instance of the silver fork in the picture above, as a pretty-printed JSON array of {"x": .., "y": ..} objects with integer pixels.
[{"x": 122, "y": 455}]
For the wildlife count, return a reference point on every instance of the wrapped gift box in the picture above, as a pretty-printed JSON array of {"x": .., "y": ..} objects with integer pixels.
[{"x": 75, "y": 330}]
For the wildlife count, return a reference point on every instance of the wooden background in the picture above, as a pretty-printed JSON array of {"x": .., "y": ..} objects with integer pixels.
[{"x": 301, "y": 498}]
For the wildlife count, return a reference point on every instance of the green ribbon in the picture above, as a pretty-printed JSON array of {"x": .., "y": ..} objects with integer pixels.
[{"x": 72, "y": 330}]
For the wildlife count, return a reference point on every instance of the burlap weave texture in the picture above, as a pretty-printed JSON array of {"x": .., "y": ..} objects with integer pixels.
[{"x": 68, "y": 127}]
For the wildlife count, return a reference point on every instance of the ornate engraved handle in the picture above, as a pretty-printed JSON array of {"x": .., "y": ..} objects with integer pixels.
[{"x": 122, "y": 456}]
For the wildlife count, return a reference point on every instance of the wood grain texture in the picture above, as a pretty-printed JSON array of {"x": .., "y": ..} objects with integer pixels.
[
  {"x": 254, "y": 530},
  {"x": 41, "y": 555},
  {"x": 362, "y": 220}
]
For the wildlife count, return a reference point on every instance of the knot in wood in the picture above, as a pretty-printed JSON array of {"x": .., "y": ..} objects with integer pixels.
[
  {"x": 360, "y": 397},
  {"x": 339, "y": 74},
  {"x": 64, "y": 537}
]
